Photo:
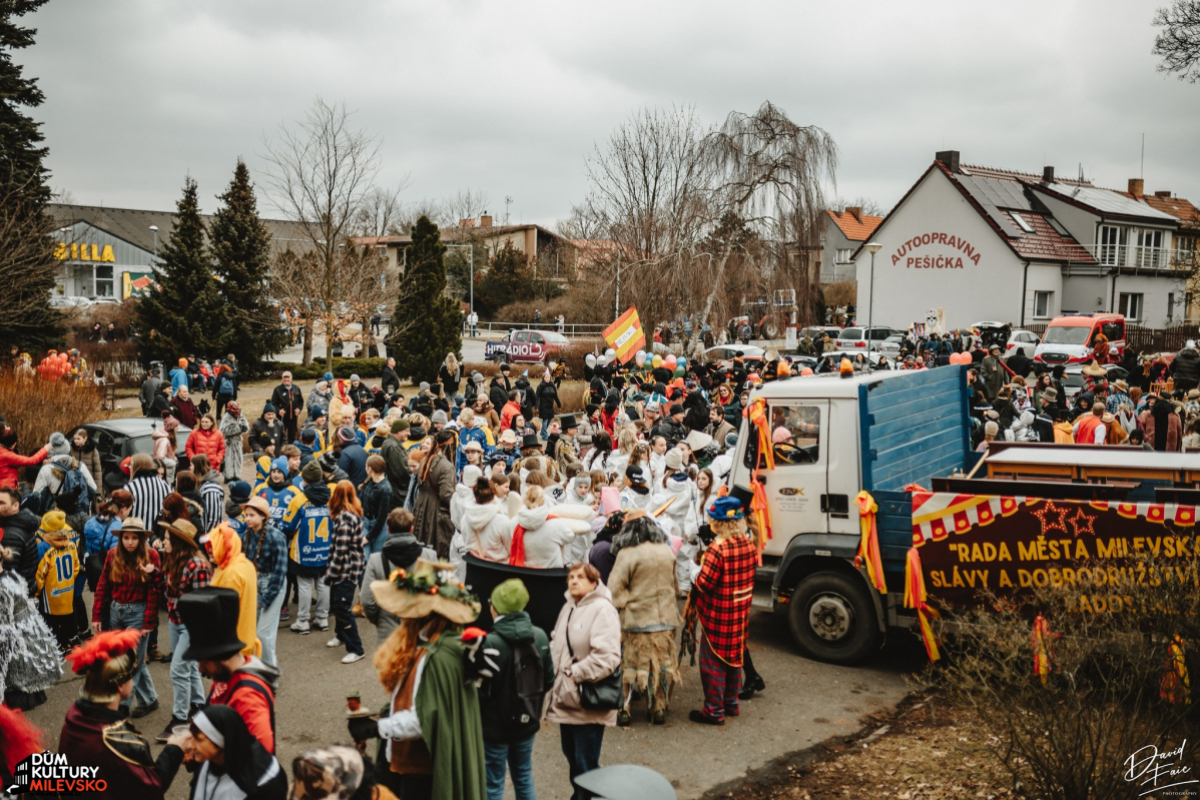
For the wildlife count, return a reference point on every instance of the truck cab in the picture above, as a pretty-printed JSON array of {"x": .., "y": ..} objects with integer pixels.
[{"x": 833, "y": 437}]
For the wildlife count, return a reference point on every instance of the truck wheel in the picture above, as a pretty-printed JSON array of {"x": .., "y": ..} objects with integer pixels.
[
  {"x": 768, "y": 330},
  {"x": 833, "y": 619}
]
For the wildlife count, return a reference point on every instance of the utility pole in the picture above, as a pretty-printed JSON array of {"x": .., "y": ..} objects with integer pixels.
[
  {"x": 507, "y": 202},
  {"x": 617, "y": 304}
]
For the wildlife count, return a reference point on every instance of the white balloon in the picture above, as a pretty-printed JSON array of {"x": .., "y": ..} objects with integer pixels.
[
  {"x": 610, "y": 354},
  {"x": 590, "y": 360}
]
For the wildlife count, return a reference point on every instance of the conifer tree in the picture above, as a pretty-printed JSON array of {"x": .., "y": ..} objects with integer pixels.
[
  {"x": 185, "y": 313},
  {"x": 27, "y": 263},
  {"x": 508, "y": 280},
  {"x": 426, "y": 324},
  {"x": 241, "y": 251}
]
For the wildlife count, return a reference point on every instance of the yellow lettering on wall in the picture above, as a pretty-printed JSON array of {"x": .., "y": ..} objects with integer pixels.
[
  {"x": 1004, "y": 579},
  {"x": 74, "y": 250},
  {"x": 1109, "y": 549},
  {"x": 60, "y": 251},
  {"x": 84, "y": 255},
  {"x": 107, "y": 254},
  {"x": 95, "y": 252}
]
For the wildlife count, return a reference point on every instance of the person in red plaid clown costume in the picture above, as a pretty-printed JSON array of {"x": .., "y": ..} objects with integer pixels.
[{"x": 723, "y": 592}]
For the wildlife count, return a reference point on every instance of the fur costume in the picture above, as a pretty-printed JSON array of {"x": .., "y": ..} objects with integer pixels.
[{"x": 29, "y": 658}]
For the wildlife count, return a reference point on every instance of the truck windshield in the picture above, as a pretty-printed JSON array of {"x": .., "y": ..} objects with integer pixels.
[
  {"x": 796, "y": 433},
  {"x": 1067, "y": 334}
]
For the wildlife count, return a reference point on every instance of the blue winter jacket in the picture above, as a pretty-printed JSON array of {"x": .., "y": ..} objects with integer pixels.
[{"x": 179, "y": 377}]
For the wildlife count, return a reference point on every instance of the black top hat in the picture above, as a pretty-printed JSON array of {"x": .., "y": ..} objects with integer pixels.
[
  {"x": 530, "y": 440},
  {"x": 568, "y": 422},
  {"x": 210, "y": 615}
]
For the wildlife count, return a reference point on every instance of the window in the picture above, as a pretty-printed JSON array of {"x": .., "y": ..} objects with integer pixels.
[
  {"x": 1149, "y": 244},
  {"x": 521, "y": 336},
  {"x": 843, "y": 255},
  {"x": 1131, "y": 306},
  {"x": 1042, "y": 303},
  {"x": 536, "y": 338},
  {"x": 1058, "y": 228},
  {"x": 1112, "y": 245},
  {"x": 104, "y": 281},
  {"x": 1170, "y": 306},
  {"x": 803, "y": 444},
  {"x": 1021, "y": 222},
  {"x": 1115, "y": 331}
]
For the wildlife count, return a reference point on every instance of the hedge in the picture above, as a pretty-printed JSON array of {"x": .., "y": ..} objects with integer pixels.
[{"x": 365, "y": 368}]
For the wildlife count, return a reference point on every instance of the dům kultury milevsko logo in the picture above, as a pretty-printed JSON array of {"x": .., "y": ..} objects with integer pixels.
[{"x": 52, "y": 774}]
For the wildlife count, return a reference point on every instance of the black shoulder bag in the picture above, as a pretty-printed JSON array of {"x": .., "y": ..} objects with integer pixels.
[{"x": 601, "y": 695}]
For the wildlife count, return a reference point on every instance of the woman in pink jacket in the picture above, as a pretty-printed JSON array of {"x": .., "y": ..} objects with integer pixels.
[
  {"x": 208, "y": 440},
  {"x": 11, "y": 461},
  {"x": 591, "y": 624}
]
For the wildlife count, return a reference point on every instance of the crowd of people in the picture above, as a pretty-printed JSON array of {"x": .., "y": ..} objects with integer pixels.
[{"x": 363, "y": 508}]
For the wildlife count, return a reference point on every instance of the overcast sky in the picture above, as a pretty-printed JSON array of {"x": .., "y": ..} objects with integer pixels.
[{"x": 509, "y": 98}]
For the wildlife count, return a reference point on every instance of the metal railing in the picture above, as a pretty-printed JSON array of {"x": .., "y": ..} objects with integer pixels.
[
  {"x": 1138, "y": 256},
  {"x": 572, "y": 330}
]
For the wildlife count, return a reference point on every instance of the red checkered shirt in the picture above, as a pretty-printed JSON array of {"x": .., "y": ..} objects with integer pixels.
[
  {"x": 346, "y": 561},
  {"x": 136, "y": 587},
  {"x": 725, "y": 591},
  {"x": 196, "y": 574}
]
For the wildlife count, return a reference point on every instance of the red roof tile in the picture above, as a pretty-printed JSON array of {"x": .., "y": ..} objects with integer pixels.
[
  {"x": 850, "y": 226},
  {"x": 1047, "y": 244},
  {"x": 1177, "y": 207}
]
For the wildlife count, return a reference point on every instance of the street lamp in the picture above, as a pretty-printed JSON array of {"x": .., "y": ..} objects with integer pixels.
[
  {"x": 154, "y": 228},
  {"x": 872, "y": 248}
]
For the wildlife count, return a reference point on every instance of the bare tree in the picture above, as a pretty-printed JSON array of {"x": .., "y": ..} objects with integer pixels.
[
  {"x": 381, "y": 212},
  {"x": 321, "y": 174},
  {"x": 466, "y": 204},
  {"x": 1178, "y": 45},
  {"x": 869, "y": 207}
]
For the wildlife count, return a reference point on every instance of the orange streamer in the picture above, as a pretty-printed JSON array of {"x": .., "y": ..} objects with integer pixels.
[
  {"x": 1041, "y": 648},
  {"x": 914, "y": 597},
  {"x": 1176, "y": 686},
  {"x": 868, "y": 545}
]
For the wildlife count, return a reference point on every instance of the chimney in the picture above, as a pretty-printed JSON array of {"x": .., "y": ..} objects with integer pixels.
[
  {"x": 949, "y": 158},
  {"x": 1047, "y": 174},
  {"x": 485, "y": 221},
  {"x": 467, "y": 223},
  {"x": 855, "y": 211},
  {"x": 1136, "y": 185},
  {"x": 1163, "y": 195}
]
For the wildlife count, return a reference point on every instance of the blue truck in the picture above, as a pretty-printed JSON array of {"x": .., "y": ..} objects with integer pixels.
[{"x": 877, "y": 432}]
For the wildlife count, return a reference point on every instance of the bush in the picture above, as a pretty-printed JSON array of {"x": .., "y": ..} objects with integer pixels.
[
  {"x": 573, "y": 356},
  {"x": 578, "y": 305},
  {"x": 368, "y": 369},
  {"x": 1069, "y": 735},
  {"x": 118, "y": 360},
  {"x": 35, "y": 408}
]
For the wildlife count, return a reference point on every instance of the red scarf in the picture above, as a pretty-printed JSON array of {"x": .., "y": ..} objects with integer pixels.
[{"x": 516, "y": 554}]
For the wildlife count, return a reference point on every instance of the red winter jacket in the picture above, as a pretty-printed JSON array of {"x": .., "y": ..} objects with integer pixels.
[
  {"x": 10, "y": 464},
  {"x": 211, "y": 443}
]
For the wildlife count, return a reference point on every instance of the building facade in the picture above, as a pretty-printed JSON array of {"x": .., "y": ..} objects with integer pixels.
[
  {"x": 845, "y": 231},
  {"x": 990, "y": 244}
]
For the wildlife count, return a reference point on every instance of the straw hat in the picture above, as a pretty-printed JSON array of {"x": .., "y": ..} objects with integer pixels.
[
  {"x": 428, "y": 589},
  {"x": 183, "y": 529},
  {"x": 1095, "y": 370}
]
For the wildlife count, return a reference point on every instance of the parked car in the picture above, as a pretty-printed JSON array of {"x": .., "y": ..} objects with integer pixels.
[
  {"x": 727, "y": 352},
  {"x": 890, "y": 346},
  {"x": 1074, "y": 381},
  {"x": 857, "y": 337},
  {"x": 116, "y": 439},
  {"x": 526, "y": 346},
  {"x": 1022, "y": 338},
  {"x": 1069, "y": 338}
]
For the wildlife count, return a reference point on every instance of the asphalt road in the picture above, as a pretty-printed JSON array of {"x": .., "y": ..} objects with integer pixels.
[{"x": 805, "y": 703}]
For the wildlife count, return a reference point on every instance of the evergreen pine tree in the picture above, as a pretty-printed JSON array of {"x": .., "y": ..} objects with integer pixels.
[
  {"x": 241, "y": 250},
  {"x": 508, "y": 280},
  {"x": 426, "y": 324},
  {"x": 186, "y": 313},
  {"x": 27, "y": 262}
]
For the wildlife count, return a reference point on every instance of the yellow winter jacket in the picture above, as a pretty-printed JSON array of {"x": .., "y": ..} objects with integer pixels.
[
  {"x": 235, "y": 571},
  {"x": 56, "y": 574}
]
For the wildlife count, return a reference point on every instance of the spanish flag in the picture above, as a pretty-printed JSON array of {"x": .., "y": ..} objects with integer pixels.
[{"x": 626, "y": 335}]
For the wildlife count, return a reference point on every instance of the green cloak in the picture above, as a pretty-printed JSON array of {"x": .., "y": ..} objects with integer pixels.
[{"x": 448, "y": 708}]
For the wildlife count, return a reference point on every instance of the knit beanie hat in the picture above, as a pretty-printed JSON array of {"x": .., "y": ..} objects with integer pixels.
[
  {"x": 280, "y": 464},
  {"x": 59, "y": 446},
  {"x": 269, "y": 408},
  {"x": 399, "y": 425},
  {"x": 311, "y": 473},
  {"x": 328, "y": 376},
  {"x": 510, "y": 596},
  {"x": 239, "y": 492}
]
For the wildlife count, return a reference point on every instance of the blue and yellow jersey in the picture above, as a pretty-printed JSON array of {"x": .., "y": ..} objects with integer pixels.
[
  {"x": 55, "y": 578},
  {"x": 310, "y": 525},
  {"x": 262, "y": 469},
  {"x": 279, "y": 499}
]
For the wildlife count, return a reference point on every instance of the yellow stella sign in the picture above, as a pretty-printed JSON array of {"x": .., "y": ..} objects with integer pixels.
[{"x": 83, "y": 252}]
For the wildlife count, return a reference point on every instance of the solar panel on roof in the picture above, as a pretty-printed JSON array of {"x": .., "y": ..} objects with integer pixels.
[
  {"x": 990, "y": 199},
  {"x": 1108, "y": 201}
]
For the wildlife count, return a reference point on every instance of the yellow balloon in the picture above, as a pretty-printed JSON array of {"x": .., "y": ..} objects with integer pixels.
[{"x": 657, "y": 362}]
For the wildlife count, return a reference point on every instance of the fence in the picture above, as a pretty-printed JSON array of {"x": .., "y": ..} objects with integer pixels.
[{"x": 570, "y": 330}]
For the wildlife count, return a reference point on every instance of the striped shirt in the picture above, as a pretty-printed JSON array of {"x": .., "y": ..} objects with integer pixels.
[
  {"x": 212, "y": 497},
  {"x": 148, "y": 492}
]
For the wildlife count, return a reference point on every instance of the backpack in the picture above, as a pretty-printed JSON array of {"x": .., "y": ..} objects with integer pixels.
[
  {"x": 520, "y": 687},
  {"x": 73, "y": 493},
  {"x": 225, "y": 385}
]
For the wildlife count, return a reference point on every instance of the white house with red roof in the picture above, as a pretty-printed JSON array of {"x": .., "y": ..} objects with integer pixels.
[
  {"x": 992, "y": 244},
  {"x": 845, "y": 231}
]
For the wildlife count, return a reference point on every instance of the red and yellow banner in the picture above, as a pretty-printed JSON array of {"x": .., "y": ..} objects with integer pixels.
[{"x": 626, "y": 335}]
